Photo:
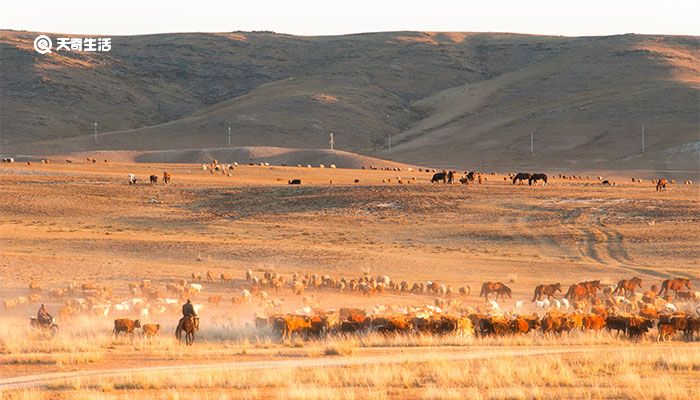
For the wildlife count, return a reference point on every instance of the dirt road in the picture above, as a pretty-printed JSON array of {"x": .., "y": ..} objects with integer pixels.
[{"x": 423, "y": 354}]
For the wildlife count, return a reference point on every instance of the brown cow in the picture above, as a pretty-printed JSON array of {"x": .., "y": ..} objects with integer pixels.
[
  {"x": 166, "y": 177},
  {"x": 554, "y": 323},
  {"x": 661, "y": 184},
  {"x": 525, "y": 324},
  {"x": 593, "y": 322},
  {"x": 150, "y": 330},
  {"x": 498, "y": 287},
  {"x": 675, "y": 284},
  {"x": 126, "y": 326},
  {"x": 546, "y": 290},
  {"x": 395, "y": 324},
  {"x": 295, "y": 324}
]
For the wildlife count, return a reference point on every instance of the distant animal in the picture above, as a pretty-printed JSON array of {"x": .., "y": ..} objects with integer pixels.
[
  {"x": 521, "y": 177},
  {"x": 295, "y": 182},
  {"x": 605, "y": 182},
  {"x": 450, "y": 177},
  {"x": 495, "y": 287},
  {"x": 675, "y": 284},
  {"x": 626, "y": 286},
  {"x": 132, "y": 179},
  {"x": 440, "y": 176},
  {"x": 546, "y": 290},
  {"x": 661, "y": 184},
  {"x": 166, "y": 177},
  {"x": 536, "y": 177},
  {"x": 124, "y": 325},
  {"x": 153, "y": 179}
]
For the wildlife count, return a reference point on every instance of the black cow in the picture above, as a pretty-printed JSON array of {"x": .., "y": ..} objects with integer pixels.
[
  {"x": 295, "y": 182},
  {"x": 154, "y": 179},
  {"x": 440, "y": 176}
]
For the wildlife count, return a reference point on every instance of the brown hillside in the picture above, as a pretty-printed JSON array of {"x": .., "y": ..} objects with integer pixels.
[{"x": 452, "y": 99}]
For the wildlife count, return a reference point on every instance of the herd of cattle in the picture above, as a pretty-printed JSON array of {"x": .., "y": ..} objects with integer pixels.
[
  {"x": 620, "y": 310},
  {"x": 585, "y": 306}
]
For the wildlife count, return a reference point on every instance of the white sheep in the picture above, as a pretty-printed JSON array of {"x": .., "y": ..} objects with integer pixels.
[
  {"x": 245, "y": 295},
  {"x": 196, "y": 287},
  {"x": 565, "y": 303},
  {"x": 542, "y": 304}
]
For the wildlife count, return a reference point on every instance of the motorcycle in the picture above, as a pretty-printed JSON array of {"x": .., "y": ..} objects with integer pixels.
[{"x": 51, "y": 328}]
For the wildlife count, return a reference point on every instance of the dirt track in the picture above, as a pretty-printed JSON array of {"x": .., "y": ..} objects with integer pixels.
[{"x": 420, "y": 355}]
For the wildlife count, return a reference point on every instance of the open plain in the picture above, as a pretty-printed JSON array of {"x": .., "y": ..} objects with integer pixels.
[{"x": 81, "y": 223}]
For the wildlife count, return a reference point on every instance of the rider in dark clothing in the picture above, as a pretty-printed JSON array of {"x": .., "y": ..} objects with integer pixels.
[
  {"x": 188, "y": 311},
  {"x": 43, "y": 316}
]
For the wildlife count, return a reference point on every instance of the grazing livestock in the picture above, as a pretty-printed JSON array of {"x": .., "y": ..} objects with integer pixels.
[
  {"x": 150, "y": 330},
  {"x": 294, "y": 182},
  {"x": 661, "y": 184},
  {"x": 132, "y": 179},
  {"x": 537, "y": 177},
  {"x": 521, "y": 177},
  {"x": 593, "y": 322},
  {"x": 440, "y": 176},
  {"x": 125, "y": 326},
  {"x": 498, "y": 287},
  {"x": 153, "y": 179},
  {"x": 546, "y": 290},
  {"x": 674, "y": 284},
  {"x": 295, "y": 324},
  {"x": 166, "y": 177}
]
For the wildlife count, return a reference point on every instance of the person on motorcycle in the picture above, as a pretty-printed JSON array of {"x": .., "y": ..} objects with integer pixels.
[
  {"x": 188, "y": 311},
  {"x": 43, "y": 316}
]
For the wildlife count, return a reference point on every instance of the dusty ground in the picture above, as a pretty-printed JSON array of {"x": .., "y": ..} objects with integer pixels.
[{"x": 82, "y": 222}]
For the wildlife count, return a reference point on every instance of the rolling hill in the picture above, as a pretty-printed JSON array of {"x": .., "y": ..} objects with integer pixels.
[{"x": 447, "y": 99}]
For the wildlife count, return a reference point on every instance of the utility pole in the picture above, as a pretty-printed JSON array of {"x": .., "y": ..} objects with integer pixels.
[
  {"x": 390, "y": 143},
  {"x": 532, "y": 143},
  {"x": 330, "y": 140},
  {"x": 229, "y": 136},
  {"x": 95, "y": 132},
  {"x": 642, "y": 138}
]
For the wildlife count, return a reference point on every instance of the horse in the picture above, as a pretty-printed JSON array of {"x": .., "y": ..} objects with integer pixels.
[
  {"x": 498, "y": 287},
  {"x": 521, "y": 176},
  {"x": 187, "y": 325},
  {"x": 537, "y": 177},
  {"x": 661, "y": 184},
  {"x": 546, "y": 290},
  {"x": 675, "y": 284},
  {"x": 580, "y": 290},
  {"x": 630, "y": 285}
]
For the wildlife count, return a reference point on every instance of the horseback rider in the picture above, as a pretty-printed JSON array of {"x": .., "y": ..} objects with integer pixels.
[
  {"x": 188, "y": 311},
  {"x": 43, "y": 316}
]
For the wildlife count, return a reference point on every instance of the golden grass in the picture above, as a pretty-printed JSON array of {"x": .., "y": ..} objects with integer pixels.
[{"x": 661, "y": 373}]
